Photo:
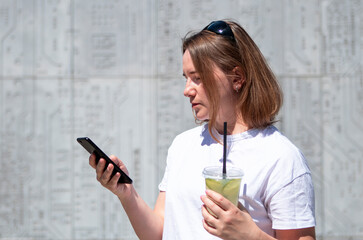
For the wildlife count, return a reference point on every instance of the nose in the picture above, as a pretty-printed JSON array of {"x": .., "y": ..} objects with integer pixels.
[{"x": 189, "y": 90}]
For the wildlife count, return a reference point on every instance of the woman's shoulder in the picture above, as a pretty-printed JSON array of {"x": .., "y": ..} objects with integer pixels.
[
  {"x": 276, "y": 148},
  {"x": 276, "y": 139},
  {"x": 283, "y": 150}
]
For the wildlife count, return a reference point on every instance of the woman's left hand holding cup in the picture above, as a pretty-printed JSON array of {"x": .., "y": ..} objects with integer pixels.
[{"x": 229, "y": 221}]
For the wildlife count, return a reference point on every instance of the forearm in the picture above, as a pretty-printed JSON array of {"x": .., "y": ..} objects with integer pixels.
[
  {"x": 291, "y": 234},
  {"x": 146, "y": 223},
  {"x": 264, "y": 236}
]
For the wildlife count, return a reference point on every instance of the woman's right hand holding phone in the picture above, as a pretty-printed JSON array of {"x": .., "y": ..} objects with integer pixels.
[
  {"x": 147, "y": 223},
  {"x": 104, "y": 176}
]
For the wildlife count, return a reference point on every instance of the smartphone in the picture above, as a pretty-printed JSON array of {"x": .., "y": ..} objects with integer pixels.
[{"x": 91, "y": 147}]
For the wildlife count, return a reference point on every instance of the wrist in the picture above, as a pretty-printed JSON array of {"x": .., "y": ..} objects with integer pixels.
[{"x": 127, "y": 194}]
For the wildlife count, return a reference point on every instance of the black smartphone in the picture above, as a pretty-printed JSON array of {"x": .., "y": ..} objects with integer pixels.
[{"x": 91, "y": 147}]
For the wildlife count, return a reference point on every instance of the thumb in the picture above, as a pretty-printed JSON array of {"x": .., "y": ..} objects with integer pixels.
[{"x": 242, "y": 208}]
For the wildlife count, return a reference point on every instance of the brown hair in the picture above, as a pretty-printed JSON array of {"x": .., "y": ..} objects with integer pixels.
[{"x": 260, "y": 98}]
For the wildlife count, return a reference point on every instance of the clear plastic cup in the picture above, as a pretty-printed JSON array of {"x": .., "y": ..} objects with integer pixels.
[{"x": 228, "y": 185}]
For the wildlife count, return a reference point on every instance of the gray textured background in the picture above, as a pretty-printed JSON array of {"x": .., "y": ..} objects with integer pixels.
[{"x": 111, "y": 70}]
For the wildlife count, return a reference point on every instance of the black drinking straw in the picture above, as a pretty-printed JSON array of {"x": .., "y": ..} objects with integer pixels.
[{"x": 224, "y": 149}]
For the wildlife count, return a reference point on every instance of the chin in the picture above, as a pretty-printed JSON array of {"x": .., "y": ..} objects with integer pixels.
[
  {"x": 200, "y": 115},
  {"x": 201, "y": 118}
]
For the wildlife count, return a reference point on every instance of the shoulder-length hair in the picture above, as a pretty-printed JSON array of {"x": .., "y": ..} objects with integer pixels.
[{"x": 260, "y": 98}]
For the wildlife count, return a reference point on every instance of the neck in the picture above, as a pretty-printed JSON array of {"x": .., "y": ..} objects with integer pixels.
[{"x": 233, "y": 127}]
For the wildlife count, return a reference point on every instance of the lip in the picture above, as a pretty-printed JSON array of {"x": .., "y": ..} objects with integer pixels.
[{"x": 195, "y": 105}]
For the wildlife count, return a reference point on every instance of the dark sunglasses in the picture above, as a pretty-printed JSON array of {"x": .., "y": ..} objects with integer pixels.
[{"x": 220, "y": 28}]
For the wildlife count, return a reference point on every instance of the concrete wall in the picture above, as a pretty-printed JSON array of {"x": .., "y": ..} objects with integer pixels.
[{"x": 111, "y": 70}]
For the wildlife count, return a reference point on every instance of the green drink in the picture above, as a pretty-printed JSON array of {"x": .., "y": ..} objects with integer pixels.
[
  {"x": 228, "y": 185},
  {"x": 229, "y": 188}
]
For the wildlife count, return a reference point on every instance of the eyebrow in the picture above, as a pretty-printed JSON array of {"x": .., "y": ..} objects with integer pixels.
[{"x": 190, "y": 73}]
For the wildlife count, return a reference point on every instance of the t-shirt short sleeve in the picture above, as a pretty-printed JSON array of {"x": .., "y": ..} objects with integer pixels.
[
  {"x": 163, "y": 183},
  {"x": 292, "y": 207}
]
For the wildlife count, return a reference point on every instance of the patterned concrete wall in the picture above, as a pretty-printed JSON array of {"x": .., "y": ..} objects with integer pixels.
[{"x": 111, "y": 70}]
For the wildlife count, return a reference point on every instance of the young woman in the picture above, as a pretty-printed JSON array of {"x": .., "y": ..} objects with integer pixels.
[{"x": 227, "y": 80}]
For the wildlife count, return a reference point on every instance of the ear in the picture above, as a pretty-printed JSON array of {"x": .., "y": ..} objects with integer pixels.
[{"x": 238, "y": 78}]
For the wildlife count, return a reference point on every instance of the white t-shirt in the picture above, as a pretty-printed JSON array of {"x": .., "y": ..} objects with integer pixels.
[{"x": 276, "y": 188}]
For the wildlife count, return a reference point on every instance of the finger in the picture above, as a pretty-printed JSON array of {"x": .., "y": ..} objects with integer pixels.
[
  {"x": 114, "y": 179},
  {"x": 207, "y": 214},
  {"x": 106, "y": 176},
  {"x": 209, "y": 228},
  {"x": 212, "y": 208},
  {"x": 92, "y": 160},
  {"x": 219, "y": 200},
  {"x": 100, "y": 168},
  {"x": 208, "y": 219},
  {"x": 209, "y": 224}
]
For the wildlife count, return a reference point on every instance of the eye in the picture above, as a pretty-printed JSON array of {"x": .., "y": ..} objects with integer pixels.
[
  {"x": 185, "y": 77},
  {"x": 196, "y": 79}
]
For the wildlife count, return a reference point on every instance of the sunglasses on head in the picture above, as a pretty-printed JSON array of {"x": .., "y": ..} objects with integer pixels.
[{"x": 220, "y": 28}]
